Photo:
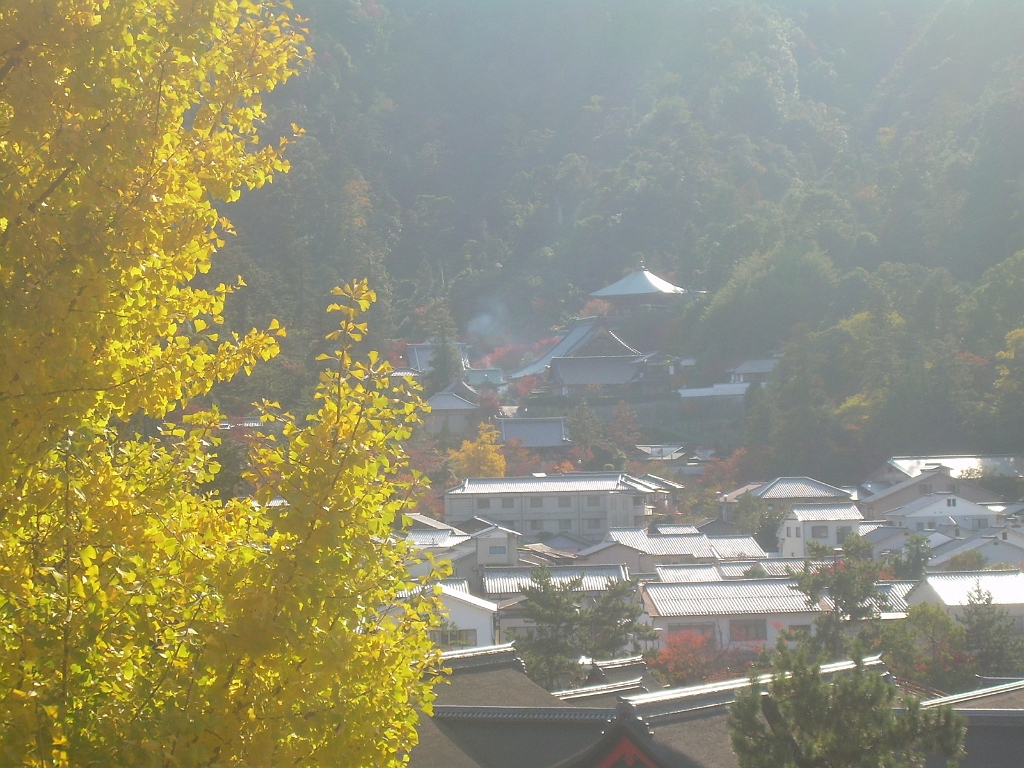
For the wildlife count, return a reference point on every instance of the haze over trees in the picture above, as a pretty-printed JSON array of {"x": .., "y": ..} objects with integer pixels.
[{"x": 843, "y": 181}]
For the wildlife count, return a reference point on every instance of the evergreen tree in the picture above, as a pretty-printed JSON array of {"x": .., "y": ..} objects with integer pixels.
[
  {"x": 798, "y": 719},
  {"x": 992, "y": 638}
]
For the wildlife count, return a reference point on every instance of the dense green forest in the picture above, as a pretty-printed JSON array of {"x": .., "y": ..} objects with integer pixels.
[{"x": 842, "y": 180}]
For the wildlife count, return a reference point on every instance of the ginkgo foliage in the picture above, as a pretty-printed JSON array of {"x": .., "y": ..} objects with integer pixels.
[{"x": 143, "y": 621}]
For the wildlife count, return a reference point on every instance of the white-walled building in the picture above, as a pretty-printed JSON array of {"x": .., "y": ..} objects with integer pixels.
[
  {"x": 826, "y": 524},
  {"x": 585, "y": 504},
  {"x": 470, "y": 620},
  {"x": 951, "y": 591},
  {"x": 940, "y": 511}
]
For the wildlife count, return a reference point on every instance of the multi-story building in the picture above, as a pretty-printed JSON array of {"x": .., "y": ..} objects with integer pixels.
[{"x": 585, "y": 504}]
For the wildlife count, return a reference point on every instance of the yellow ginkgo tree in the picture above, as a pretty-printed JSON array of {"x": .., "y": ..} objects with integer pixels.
[{"x": 142, "y": 621}]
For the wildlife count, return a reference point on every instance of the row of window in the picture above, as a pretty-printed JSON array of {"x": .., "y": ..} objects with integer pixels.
[
  {"x": 821, "y": 532},
  {"x": 740, "y": 630},
  {"x": 537, "y": 502},
  {"x": 592, "y": 523}
]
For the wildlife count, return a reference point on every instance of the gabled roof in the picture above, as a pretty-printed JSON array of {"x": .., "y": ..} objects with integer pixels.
[
  {"x": 725, "y": 598},
  {"x": 514, "y": 579},
  {"x": 799, "y": 488},
  {"x": 755, "y": 366},
  {"x": 617, "y": 369},
  {"x": 639, "y": 282},
  {"x": 466, "y": 597},
  {"x": 675, "y": 530},
  {"x": 736, "y": 548},
  {"x": 423, "y": 538},
  {"x": 570, "y": 482},
  {"x": 943, "y": 553},
  {"x": 825, "y": 512},
  {"x": 663, "y": 452},
  {"x": 690, "y": 573},
  {"x": 974, "y": 465},
  {"x": 1006, "y": 587},
  {"x": 919, "y": 505},
  {"x": 575, "y": 335},
  {"x": 546, "y": 432},
  {"x": 894, "y": 489},
  {"x": 448, "y": 401},
  {"x": 697, "y": 546}
]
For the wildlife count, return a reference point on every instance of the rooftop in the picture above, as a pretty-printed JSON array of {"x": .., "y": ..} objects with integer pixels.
[
  {"x": 547, "y": 432},
  {"x": 799, "y": 488},
  {"x": 513, "y": 579},
  {"x": 696, "y": 546},
  {"x": 826, "y": 512},
  {"x": 725, "y": 598},
  {"x": 1006, "y": 587},
  {"x": 571, "y": 482},
  {"x": 639, "y": 282}
]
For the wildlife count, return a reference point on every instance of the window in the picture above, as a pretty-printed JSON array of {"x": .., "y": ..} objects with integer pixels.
[
  {"x": 950, "y": 502},
  {"x": 593, "y": 501},
  {"x": 565, "y": 525},
  {"x": 980, "y": 522},
  {"x": 453, "y": 638},
  {"x": 926, "y": 488},
  {"x": 508, "y": 503},
  {"x": 536, "y": 502},
  {"x": 638, "y": 501},
  {"x": 842, "y": 532},
  {"x": 819, "y": 531},
  {"x": 595, "y": 522},
  {"x": 483, "y": 503},
  {"x": 920, "y": 526},
  {"x": 497, "y": 549},
  {"x": 798, "y": 531},
  {"x": 747, "y": 630},
  {"x": 564, "y": 501},
  {"x": 931, "y": 525},
  {"x": 536, "y": 525},
  {"x": 788, "y": 532},
  {"x": 700, "y": 629}
]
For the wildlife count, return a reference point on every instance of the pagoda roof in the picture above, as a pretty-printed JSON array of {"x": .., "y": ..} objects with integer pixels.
[{"x": 639, "y": 282}]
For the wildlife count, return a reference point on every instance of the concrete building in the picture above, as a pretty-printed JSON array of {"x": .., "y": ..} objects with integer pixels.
[{"x": 826, "y": 524}]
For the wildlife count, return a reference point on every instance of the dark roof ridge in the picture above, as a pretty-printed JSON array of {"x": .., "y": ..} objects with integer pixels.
[
  {"x": 503, "y": 655},
  {"x": 498, "y": 712},
  {"x": 595, "y": 690}
]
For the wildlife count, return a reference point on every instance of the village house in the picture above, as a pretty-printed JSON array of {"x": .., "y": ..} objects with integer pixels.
[
  {"x": 937, "y": 480},
  {"x": 783, "y": 492},
  {"x": 643, "y": 552},
  {"x": 741, "y": 615},
  {"x": 585, "y": 504},
  {"x": 952, "y": 591},
  {"x": 995, "y": 546},
  {"x": 451, "y": 414},
  {"x": 824, "y": 524},
  {"x": 944, "y": 512},
  {"x": 469, "y": 620},
  {"x": 467, "y": 551}
]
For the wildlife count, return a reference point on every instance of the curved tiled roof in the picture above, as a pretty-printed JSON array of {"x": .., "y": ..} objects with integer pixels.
[{"x": 639, "y": 282}]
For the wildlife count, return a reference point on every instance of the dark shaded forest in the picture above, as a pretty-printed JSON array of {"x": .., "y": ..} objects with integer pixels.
[{"x": 842, "y": 180}]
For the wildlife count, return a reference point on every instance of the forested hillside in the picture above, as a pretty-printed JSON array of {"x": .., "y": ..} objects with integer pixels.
[{"x": 843, "y": 180}]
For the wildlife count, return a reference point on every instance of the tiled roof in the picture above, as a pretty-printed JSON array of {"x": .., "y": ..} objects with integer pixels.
[
  {"x": 679, "y": 574},
  {"x": 546, "y": 432},
  {"x": 572, "y": 482},
  {"x": 894, "y": 489},
  {"x": 826, "y": 512},
  {"x": 895, "y": 594},
  {"x": 736, "y": 547},
  {"x": 448, "y": 401},
  {"x": 422, "y": 538},
  {"x": 756, "y": 366},
  {"x": 799, "y": 488},
  {"x": 478, "y": 376},
  {"x": 512, "y": 580},
  {"x": 618, "y": 369},
  {"x": 470, "y": 599},
  {"x": 726, "y": 598},
  {"x": 675, "y": 530},
  {"x": 1006, "y": 587},
  {"x": 579, "y": 332},
  {"x": 639, "y": 282},
  {"x": 1005, "y": 465},
  {"x": 697, "y": 546}
]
